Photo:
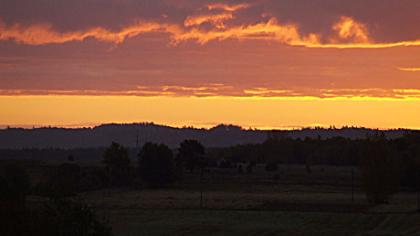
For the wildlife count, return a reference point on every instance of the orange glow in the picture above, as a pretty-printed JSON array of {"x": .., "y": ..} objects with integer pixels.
[{"x": 205, "y": 112}]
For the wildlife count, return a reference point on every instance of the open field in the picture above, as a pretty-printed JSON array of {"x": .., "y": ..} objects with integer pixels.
[
  {"x": 289, "y": 201},
  {"x": 127, "y": 222},
  {"x": 257, "y": 210}
]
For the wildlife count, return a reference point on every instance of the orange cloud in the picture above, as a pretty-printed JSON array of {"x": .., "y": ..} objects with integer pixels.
[
  {"x": 44, "y": 34},
  {"x": 350, "y": 33},
  {"x": 270, "y": 30},
  {"x": 217, "y": 20},
  {"x": 349, "y": 29},
  {"x": 226, "y": 7}
]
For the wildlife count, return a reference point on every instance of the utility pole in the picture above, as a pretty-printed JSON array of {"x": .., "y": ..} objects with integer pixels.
[
  {"x": 201, "y": 188},
  {"x": 137, "y": 139},
  {"x": 352, "y": 185},
  {"x": 418, "y": 191}
]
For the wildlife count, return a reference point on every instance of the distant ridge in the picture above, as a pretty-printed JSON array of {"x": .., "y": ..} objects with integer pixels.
[{"x": 137, "y": 134}]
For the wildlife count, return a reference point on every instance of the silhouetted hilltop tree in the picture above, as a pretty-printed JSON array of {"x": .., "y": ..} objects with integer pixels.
[
  {"x": 380, "y": 170},
  {"x": 117, "y": 164},
  {"x": 156, "y": 164},
  {"x": 191, "y": 155}
]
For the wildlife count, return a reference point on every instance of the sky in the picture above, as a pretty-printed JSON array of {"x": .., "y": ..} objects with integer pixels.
[{"x": 256, "y": 63}]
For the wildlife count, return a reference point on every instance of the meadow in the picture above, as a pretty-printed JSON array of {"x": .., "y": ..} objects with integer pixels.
[{"x": 294, "y": 203}]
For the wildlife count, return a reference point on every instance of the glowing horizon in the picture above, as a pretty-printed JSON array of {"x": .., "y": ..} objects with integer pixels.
[{"x": 198, "y": 112}]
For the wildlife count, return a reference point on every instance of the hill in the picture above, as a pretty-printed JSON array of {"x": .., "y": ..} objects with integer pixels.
[{"x": 133, "y": 135}]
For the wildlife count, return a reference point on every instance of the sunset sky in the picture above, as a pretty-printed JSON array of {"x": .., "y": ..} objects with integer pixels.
[{"x": 256, "y": 63}]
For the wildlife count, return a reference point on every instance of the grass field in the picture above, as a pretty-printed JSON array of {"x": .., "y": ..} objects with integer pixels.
[
  {"x": 290, "y": 201},
  {"x": 258, "y": 210},
  {"x": 127, "y": 222}
]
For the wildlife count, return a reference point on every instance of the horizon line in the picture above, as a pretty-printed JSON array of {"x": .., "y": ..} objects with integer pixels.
[{"x": 203, "y": 126}]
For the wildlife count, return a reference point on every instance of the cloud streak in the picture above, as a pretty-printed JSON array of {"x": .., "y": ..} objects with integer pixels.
[
  {"x": 227, "y": 7},
  {"x": 221, "y": 90},
  {"x": 40, "y": 34},
  {"x": 216, "y": 19},
  {"x": 409, "y": 69},
  {"x": 349, "y": 33}
]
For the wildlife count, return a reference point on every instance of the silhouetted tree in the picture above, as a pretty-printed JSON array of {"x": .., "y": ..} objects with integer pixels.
[
  {"x": 156, "y": 164},
  {"x": 380, "y": 170},
  {"x": 408, "y": 149},
  {"x": 117, "y": 164},
  {"x": 191, "y": 155}
]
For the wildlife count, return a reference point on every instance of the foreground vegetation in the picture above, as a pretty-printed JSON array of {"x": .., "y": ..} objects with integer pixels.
[{"x": 369, "y": 179}]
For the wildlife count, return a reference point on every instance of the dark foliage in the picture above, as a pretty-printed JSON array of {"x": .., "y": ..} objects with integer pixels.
[
  {"x": 156, "y": 165},
  {"x": 191, "y": 155},
  {"x": 380, "y": 170},
  {"x": 54, "y": 218},
  {"x": 117, "y": 164}
]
